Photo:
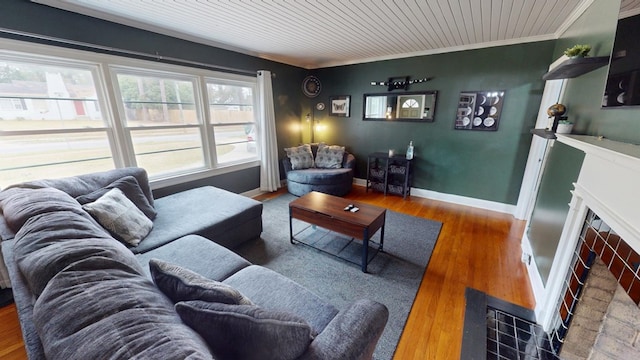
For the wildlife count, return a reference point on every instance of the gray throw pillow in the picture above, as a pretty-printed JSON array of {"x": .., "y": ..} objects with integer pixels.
[
  {"x": 116, "y": 213},
  {"x": 301, "y": 157},
  {"x": 131, "y": 189},
  {"x": 180, "y": 284},
  {"x": 242, "y": 332},
  {"x": 329, "y": 156}
]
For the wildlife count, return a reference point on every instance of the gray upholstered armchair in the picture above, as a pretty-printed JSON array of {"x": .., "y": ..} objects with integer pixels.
[{"x": 333, "y": 181}]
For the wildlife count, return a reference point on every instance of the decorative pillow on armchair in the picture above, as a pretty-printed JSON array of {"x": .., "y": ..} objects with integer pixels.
[
  {"x": 329, "y": 156},
  {"x": 247, "y": 331},
  {"x": 301, "y": 157}
]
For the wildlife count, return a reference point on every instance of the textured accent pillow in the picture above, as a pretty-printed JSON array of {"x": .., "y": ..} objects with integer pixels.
[
  {"x": 180, "y": 284},
  {"x": 131, "y": 189},
  {"x": 301, "y": 157},
  {"x": 116, "y": 213},
  {"x": 246, "y": 331},
  {"x": 329, "y": 156}
]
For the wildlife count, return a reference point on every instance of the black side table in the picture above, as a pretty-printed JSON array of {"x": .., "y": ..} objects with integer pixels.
[{"x": 389, "y": 174}]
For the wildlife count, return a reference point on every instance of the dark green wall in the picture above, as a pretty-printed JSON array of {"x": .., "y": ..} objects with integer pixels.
[
  {"x": 583, "y": 96},
  {"x": 25, "y": 16},
  {"x": 552, "y": 204},
  {"x": 478, "y": 164}
]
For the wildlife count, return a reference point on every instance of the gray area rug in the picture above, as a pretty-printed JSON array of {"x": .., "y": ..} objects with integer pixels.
[{"x": 393, "y": 276}]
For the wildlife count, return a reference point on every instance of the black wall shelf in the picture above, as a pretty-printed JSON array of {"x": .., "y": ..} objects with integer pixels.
[
  {"x": 574, "y": 67},
  {"x": 544, "y": 133}
]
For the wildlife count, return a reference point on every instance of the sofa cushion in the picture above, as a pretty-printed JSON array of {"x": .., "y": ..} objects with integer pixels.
[
  {"x": 101, "y": 308},
  {"x": 247, "y": 332},
  {"x": 120, "y": 216},
  {"x": 86, "y": 183},
  {"x": 20, "y": 204},
  {"x": 180, "y": 284},
  {"x": 217, "y": 262},
  {"x": 132, "y": 190},
  {"x": 271, "y": 290},
  {"x": 329, "y": 156},
  {"x": 301, "y": 157},
  {"x": 217, "y": 214}
]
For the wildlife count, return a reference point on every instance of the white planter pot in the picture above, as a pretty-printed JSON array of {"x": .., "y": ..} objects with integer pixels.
[{"x": 564, "y": 129}]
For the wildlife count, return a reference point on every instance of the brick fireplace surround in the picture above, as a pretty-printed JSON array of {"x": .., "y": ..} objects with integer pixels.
[
  {"x": 599, "y": 311},
  {"x": 601, "y": 239}
]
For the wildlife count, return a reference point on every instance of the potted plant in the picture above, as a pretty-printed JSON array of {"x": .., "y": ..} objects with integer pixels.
[
  {"x": 564, "y": 127},
  {"x": 578, "y": 51}
]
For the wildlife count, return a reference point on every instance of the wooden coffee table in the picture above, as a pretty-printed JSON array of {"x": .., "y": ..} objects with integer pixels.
[{"x": 327, "y": 211}]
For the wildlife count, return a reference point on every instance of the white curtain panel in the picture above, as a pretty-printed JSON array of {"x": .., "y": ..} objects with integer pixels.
[{"x": 269, "y": 169}]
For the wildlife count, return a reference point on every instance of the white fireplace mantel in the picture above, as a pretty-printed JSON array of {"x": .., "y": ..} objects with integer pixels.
[
  {"x": 608, "y": 184},
  {"x": 610, "y": 175}
]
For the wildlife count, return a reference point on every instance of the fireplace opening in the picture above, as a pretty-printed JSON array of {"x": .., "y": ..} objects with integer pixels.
[{"x": 598, "y": 316}]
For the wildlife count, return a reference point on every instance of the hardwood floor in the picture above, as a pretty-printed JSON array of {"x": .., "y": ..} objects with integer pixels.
[
  {"x": 11, "y": 345},
  {"x": 476, "y": 248}
]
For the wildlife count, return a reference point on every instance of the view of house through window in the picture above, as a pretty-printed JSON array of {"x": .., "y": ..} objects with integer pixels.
[
  {"x": 50, "y": 121},
  {"x": 232, "y": 115},
  {"x": 163, "y": 122},
  {"x": 160, "y": 117}
]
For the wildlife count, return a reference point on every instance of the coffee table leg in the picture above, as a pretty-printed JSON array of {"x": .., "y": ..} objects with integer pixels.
[
  {"x": 381, "y": 238},
  {"x": 365, "y": 250},
  {"x": 290, "y": 227}
]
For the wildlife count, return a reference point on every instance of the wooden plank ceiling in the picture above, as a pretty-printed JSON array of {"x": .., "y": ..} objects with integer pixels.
[{"x": 321, "y": 33}]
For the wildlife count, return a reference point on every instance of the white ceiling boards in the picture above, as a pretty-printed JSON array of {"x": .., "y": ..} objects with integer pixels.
[{"x": 314, "y": 34}]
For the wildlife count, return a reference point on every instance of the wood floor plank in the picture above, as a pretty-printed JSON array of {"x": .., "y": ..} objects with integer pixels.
[
  {"x": 476, "y": 248},
  {"x": 11, "y": 344}
]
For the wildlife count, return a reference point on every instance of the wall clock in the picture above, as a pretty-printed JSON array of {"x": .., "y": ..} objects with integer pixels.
[{"x": 311, "y": 86}]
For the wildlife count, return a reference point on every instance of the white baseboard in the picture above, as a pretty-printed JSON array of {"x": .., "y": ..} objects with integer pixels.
[
  {"x": 456, "y": 199},
  {"x": 252, "y": 193}
]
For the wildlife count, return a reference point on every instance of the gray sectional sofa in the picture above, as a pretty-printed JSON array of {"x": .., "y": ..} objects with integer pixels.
[{"x": 82, "y": 294}]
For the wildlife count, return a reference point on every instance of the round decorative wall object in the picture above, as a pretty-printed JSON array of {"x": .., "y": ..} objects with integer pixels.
[
  {"x": 320, "y": 106},
  {"x": 311, "y": 86}
]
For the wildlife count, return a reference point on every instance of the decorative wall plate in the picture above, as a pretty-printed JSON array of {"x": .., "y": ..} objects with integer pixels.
[{"x": 311, "y": 86}]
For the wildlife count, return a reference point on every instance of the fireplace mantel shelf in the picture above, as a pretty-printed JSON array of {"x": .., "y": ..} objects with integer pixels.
[{"x": 624, "y": 153}]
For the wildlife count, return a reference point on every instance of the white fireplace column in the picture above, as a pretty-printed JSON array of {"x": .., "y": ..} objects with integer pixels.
[{"x": 608, "y": 184}]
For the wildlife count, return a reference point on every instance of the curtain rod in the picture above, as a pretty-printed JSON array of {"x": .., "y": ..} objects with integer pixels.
[{"x": 138, "y": 54}]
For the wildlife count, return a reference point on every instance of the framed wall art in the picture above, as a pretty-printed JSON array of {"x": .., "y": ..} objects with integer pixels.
[
  {"x": 479, "y": 110},
  {"x": 340, "y": 105}
]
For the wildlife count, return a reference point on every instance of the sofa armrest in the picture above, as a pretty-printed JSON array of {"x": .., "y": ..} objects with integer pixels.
[
  {"x": 352, "y": 334},
  {"x": 349, "y": 161},
  {"x": 286, "y": 164}
]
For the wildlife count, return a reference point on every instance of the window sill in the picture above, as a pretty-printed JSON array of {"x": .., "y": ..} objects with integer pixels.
[{"x": 162, "y": 182}]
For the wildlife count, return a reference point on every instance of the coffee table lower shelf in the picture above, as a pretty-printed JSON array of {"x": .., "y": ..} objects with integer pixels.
[{"x": 337, "y": 245}]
